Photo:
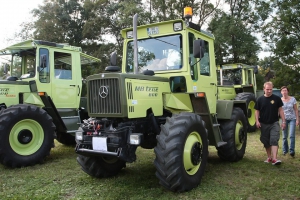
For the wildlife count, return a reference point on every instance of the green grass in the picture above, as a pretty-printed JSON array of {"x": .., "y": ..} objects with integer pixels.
[{"x": 60, "y": 177}]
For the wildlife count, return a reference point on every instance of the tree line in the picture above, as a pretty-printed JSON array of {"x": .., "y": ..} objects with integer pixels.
[{"x": 95, "y": 26}]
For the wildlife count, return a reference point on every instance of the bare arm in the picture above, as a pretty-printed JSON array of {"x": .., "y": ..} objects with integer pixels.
[
  {"x": 297, "y": 114},
  {"x": 281, "y": 113},
  {"x": 256, "y": 118}
]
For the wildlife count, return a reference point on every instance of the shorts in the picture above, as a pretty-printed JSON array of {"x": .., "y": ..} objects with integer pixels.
[{"x": 270, "y": 134}]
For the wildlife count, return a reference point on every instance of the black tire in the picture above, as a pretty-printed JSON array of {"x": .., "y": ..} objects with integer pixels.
[
  {"x": 101, "y": 166},
  {"x": 234, "y": 133},
  {"x": 181, "y": 152},
  {"x": 66, "y": 139},
  {"x": 26, "y": 135},
  {"x": 250, "y": 101}
]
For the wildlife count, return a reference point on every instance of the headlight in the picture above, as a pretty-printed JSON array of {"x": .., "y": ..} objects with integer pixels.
[
  {"x": 177, "y": 26},
  {"x": 135, "y": 138},
  {"x": 129, "y": 34},
  {"x": 79, "y": 136}
]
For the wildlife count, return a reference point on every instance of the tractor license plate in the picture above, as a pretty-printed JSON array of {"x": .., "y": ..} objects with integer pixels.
[
  {"x": 153, "y": 31},
  {"x": 99, "y": 143}
]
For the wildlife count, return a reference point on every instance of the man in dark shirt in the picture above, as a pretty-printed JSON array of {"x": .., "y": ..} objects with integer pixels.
[{"x": 267, "y": 109}]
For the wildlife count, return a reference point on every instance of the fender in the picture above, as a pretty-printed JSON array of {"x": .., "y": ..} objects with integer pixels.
[{"x": 224, "y": 108}]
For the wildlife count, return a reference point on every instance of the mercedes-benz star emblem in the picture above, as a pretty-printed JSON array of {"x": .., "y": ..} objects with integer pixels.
[{"x": 103, "y": 91}]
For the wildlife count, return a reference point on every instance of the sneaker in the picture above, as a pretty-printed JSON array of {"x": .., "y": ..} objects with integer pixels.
[
  {"x": 284, "y": 153},
  {"x": 292, "y": 154},
  {"x": 276, "y": 162},
  {"x": 269, "y": 160}
]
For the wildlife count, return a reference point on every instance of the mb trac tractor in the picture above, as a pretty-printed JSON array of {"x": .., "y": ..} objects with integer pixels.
[
  {"x": 163, "y": 97},
  {"x": 40, "y": 99},
  {"x": 239, "y": 82}
]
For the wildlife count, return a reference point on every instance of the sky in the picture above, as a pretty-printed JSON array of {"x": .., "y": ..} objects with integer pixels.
[{"x": 14, "y": 12}]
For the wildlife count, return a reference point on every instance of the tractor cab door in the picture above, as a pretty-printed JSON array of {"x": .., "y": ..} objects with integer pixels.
[
  {"x": 65, "y": 83},
  {"x": 206, "y": 79}
]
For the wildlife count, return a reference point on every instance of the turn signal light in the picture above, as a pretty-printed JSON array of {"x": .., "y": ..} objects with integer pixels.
[{"x": 200, "y": 94}]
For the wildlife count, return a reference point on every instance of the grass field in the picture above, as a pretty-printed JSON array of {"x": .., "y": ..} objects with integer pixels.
[{"x": 60, "y": 177}]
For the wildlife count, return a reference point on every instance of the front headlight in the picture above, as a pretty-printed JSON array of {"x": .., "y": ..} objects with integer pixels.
[
  {"x": 135, "y": 138},
  {"x": 79, "y": 136}
]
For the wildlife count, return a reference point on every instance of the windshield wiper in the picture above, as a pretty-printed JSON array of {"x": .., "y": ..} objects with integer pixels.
[{"x": 163, "y": 41}]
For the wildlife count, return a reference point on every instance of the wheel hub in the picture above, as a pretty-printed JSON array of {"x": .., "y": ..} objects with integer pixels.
[
  {"x": 25, "y": 136},
  {"x": 196, "y": 152},
  {"x": 241, "y": 135},
  {"x": 249, "y": 113}
]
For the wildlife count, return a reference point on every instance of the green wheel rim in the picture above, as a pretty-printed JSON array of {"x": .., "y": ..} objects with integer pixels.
[
  {"x": 26, "y": 137},
  {"x": 189, "y": 166},
  {"x": 239, "y": 135},
  {"x": 251, "y": 119}
]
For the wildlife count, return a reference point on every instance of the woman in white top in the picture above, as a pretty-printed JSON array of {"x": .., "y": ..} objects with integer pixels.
[{"x": 292, "y": 120}]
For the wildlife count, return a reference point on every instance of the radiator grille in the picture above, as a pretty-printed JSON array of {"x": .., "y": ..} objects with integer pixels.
[{"x": 104, "y": 96}]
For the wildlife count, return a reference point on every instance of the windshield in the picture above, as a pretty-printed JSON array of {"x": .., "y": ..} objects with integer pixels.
[
  {"x": 23, "y": 64},
  {"x": 157, "y": 54},
  {"x": 231, "y": 76}
]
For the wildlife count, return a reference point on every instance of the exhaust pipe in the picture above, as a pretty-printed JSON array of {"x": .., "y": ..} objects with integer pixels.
[{"x": 135, "y": 46}]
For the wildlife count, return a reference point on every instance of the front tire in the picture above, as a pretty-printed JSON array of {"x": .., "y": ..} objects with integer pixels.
[
  {"x": 250, "y": 103},
  {"x": 234, "y": 132},
  {"x": 100, "y": 166},
  {"x": 26, "y": 135},
  {"x": 181, "y": 152}
]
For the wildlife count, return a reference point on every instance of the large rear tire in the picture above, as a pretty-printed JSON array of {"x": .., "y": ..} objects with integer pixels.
[
  {"x": 234, "y": 132},
  {"x": 26, "y": 135},
  {"x": 250, "y": 101},
  {"x": 181, "y": 152},
  {"x": 101, "y": 166}
]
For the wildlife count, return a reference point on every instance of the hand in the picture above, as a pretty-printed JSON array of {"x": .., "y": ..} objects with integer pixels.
[
  {"x": 258, "y": 125},
  {"x": 282, "y": 126},
  {"x": 297, "y": 123}
]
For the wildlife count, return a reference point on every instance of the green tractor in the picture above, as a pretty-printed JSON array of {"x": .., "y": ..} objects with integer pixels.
[
  {"x": 163, "y": 97},
  {"x": 40, "y": 99},
  {"x": 239, "y": 81}
]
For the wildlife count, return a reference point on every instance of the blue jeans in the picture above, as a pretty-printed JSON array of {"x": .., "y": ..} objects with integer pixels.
[{"x": 290, "y": 127}]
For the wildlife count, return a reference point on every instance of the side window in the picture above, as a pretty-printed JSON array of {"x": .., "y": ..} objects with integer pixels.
[
  {"x": 44, "y": 68},
  {"x": 62, "y": 66},
  {"x": 178, "y": 84},
  {"x": 192, "y": 60},
  {"x": 249, "y": 77},
  {"x": 204, "y": 62}
]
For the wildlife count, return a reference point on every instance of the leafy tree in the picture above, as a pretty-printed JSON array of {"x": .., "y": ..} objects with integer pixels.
[
  {"x": 163, "y": 10},
  {"x": 282, "y": 31},
  {"x": 59, "y": 21},
  {"x": 234, "y": 34},
  {"x": 234, "y": 42}
]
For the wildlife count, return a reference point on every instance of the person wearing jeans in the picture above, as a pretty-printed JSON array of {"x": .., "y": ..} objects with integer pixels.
[{"x": 292, "y": 120}]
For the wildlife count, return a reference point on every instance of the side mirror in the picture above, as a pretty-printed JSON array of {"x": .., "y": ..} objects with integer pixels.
[
  {"x": 43, "y": 61},
  {"x": 198, "y": 48},
  {"x": 255, "y": 70},
  {"x": 113, "y": 59},
  {"x": 5, "y": 68},
  {"x": 113, "y": 63}
]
